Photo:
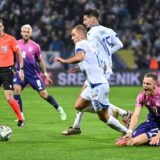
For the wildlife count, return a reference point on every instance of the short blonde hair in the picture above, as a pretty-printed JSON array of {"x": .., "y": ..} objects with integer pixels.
[
  {"x": 81, "y": 29},
  {"x": 26, "y": 26}
]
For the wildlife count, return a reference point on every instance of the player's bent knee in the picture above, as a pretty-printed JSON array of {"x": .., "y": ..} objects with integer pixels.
[
  {"x": 134, "y": 142},
  {"x": 9, "y": 98},
  {"x": 77, "y": 107},
  {"x": 43, "y": 94},
  {"x": 102, "y": 118},
  {"x": 17, "y": 90}
]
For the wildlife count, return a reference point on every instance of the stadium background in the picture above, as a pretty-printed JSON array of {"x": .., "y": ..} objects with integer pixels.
[{"x": 137, "y": 23}]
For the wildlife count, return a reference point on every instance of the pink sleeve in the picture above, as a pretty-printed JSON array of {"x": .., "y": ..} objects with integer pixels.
[
  {"x": 139, "y": 100},
  {"x": 38, "y": 52}
]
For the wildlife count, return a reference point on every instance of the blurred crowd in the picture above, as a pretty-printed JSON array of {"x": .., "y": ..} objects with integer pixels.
[{"x": 137, "y": 23}]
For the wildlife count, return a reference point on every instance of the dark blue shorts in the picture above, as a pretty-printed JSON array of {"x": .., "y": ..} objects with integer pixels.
[
  {"x": 35, "y": 81},
  {"x": 150, "y": 128}
]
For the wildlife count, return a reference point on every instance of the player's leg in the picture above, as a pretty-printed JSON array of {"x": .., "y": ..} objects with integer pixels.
[
  {"x": 80, "y": 104},
  {"x": 121, "y": 111},
  {"x": 37, "y": 84},
  {"x": 17, "y": 97},
  {"x": 18, "y": 85},
  {"x": 8, "y": 92},
  {"x": 139, "y": 136},
  {"x": 126, "y": 115},
  {"x": 142, "y": 134},
  {"x": 139, "y": 140},
  {"x": 14, "y": 105},
  {"x": 75, "y": 129},
  {"x": 44, "y": 94},
  {"x": 111, "y": 121},
  {"x": 101, "y": 104},
  {"x": 83, "y": 104}
]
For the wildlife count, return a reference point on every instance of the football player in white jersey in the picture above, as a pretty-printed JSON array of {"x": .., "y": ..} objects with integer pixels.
[
  {"x": 107, "y": 42},
  {"x": 98, "y": 87}
]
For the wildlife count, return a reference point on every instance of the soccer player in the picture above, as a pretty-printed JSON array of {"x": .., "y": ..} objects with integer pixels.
[
  {"x": 149, "y": 131},
  {"x": 98, "y": 87},
  {"x": 31, "y": 53},
  {"x": 107, "y": 42},
  {"x": 8, "y": 49}
]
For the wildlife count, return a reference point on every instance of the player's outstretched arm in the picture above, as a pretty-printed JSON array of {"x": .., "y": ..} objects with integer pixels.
[
  {"x": 75, "y": 59},
  {"x": 59, "y": 59}
]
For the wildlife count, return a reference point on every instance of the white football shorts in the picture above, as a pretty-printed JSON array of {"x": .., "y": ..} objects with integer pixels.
[{"x": 97, "y": 95}]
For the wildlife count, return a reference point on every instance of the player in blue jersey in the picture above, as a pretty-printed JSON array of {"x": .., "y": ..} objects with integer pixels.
[{"x": 31, "y": 53}]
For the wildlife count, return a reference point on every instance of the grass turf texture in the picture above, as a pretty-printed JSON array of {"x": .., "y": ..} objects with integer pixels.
[{"x": 40, "y": 138}]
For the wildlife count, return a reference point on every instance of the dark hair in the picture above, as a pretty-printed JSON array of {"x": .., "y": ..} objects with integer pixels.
[
  {"x": 91, "y": 13},
  {"x": 151, "y": 75},
  {"x": 81, "y": 28}
]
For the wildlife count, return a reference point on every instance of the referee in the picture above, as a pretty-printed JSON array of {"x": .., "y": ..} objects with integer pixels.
[{"x": 9, "y": 49}]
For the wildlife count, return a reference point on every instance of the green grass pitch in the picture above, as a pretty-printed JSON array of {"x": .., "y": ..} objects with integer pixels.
[{"x": 40, "y": 138}]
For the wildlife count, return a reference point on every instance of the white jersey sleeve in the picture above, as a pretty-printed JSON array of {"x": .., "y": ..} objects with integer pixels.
[{"x": 116, "y": 42}]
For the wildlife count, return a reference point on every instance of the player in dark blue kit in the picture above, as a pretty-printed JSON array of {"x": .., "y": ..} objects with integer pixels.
[{"x": 31, "y": 53}]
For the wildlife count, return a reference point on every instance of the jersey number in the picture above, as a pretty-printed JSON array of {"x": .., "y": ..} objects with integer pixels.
[
  {"x": 106, "y": 42},
  {"x": 100, "y": 62}
]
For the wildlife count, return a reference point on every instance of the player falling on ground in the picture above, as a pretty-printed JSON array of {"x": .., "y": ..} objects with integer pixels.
[
  {"x": 9, "y": 48},
  {"x": 149, "y": 131},
  {"x": 98, "y": 87},
  {"x": 31, "y": 53},
  {"x": 107, "y": 42}
]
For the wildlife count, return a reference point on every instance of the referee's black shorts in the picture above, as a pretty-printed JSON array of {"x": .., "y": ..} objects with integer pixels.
[{"x": 6, "y": 77}]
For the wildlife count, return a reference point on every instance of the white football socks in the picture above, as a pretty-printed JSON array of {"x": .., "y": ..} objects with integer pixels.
[
  {"x": 78, "y": 119},
  {"x": 79, "y": 116},
  {"x": 116, "y": 125},
  {"x": 121, "y": 111}
]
